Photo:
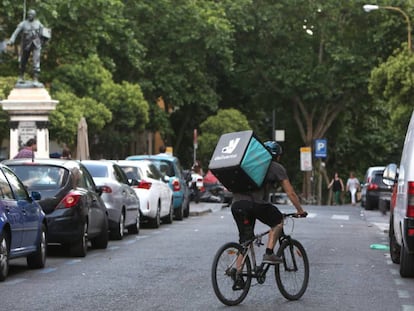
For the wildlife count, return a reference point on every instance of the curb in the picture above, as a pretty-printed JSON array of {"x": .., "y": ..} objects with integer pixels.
[{"x": 201, "y": 212}]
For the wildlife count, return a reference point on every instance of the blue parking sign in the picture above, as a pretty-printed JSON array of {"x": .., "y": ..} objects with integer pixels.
[{"x": 321, "y": 148}]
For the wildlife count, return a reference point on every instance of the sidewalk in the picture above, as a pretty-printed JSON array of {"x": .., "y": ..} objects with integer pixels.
[{"x": 202, "y": 208}]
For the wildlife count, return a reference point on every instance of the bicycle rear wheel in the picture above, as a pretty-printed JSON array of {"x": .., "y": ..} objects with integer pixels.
[
  {"x": 292, "y": 275},
  {"x": 223, "y": 274}
]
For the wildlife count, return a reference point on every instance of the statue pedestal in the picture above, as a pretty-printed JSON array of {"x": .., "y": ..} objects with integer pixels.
[{"x": 29, "y": 109}]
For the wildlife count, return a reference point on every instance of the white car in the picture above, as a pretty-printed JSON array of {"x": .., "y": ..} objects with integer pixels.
[
  {"x": 401, "y": 231},
  {"x": 156, "y": 197}
]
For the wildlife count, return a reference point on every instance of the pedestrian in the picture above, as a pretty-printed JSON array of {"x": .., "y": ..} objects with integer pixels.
[
  {"x": 31, "y": 43},
  {"x": 28, "y": 150},
  {"x": 66, "y": 154},
  {"x": 337, "y": 186},
  {"x": 352, "y": 185}
]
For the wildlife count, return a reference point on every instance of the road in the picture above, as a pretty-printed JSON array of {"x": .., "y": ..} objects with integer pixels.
[{"x": 169, "y": 269}]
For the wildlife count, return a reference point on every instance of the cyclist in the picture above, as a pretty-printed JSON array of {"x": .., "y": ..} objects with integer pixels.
[{"x": 249, "y": 206}]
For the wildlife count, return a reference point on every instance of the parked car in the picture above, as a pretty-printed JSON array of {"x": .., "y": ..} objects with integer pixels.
[
  {"x": 23, "y": 228},
  {"x": 401, "y": 231},
  {"x": 154, "y": 194},
  {"x": 170, "y": 166},
  {"x": 75, "y": 212},
  {"x": 120, "y": 199},
  {"x": 373, "y": 188}
]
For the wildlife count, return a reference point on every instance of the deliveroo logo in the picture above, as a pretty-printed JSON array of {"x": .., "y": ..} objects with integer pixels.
[{"x": 231, "y": 146}]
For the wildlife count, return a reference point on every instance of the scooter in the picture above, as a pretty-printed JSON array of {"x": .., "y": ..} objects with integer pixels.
[{"x": 197, "y": 186}]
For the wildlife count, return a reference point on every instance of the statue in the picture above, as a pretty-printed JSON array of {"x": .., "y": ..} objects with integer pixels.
[{"x": 33, "y": 36}]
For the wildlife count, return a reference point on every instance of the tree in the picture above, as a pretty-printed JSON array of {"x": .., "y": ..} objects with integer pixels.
[{"x": 225, "y": 121}]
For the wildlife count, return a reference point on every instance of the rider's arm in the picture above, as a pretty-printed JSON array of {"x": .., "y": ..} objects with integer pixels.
[{"x": 287, "y": 187}]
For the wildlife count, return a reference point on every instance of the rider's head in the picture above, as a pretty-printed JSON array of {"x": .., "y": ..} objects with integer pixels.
[{"x": 274, "y": 148}]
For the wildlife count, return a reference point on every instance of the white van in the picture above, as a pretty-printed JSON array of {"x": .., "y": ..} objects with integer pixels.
[{"x": 401, "y": 231}]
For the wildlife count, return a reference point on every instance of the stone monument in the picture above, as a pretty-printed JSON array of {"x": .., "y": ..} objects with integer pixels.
[{"x": 29, "y": 108}]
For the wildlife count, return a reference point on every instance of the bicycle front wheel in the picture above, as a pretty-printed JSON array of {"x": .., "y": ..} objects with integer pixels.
[
  {"x": 223, "y": 274},
  {"x": 292, "y": 275}
]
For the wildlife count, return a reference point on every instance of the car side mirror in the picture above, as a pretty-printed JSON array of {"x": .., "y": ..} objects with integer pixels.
[
  {"x": 36, "y": 195},
  {"x": 99, "y": 190},
  {"x": 390, "y": 174}
]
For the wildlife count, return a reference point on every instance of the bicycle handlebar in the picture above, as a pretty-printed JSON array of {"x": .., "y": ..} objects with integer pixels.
[{"x": 295, "y": 215}]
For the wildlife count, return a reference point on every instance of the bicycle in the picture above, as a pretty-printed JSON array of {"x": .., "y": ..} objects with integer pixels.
[{"x": 292, "y": 275}]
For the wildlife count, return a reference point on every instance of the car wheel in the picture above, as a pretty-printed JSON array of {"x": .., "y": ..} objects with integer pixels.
[
  {"x": 406, "y": 263},
  {"x": 134, "y": 229},
  {"x": 187, "y": 210},
  {"x": 80, "y": 248},
  {"x": 179, "y": 213},
  {"x": 156, "y": 222},
  {"x": 4, "y": 256},
  {"x": 118, "y": 232},
  {"x": 38, "y": 259},
  {"x": 101, "y": 241},
  {"x": 395, "y": 249},
  {"x": 369, "y": 204},
  {"x": 170, "y": 217}
]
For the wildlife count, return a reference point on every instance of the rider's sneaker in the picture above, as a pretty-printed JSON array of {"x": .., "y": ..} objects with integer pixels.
[
  {"x": 239, "y": 283},
  {"x": 271, "y": 259}
]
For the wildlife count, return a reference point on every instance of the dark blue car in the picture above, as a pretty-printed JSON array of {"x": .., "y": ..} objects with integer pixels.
[{"x": 23, "y": 231}]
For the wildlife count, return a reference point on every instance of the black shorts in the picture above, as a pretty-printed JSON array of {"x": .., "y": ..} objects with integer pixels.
[{"x": 246, "y": 212}]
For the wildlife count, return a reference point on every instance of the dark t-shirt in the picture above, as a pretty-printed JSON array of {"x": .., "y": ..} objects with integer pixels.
[{"x": 275, "y": 174}]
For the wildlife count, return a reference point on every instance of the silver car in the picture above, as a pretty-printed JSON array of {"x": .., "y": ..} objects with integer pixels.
[{"x": 120, "y": 199}]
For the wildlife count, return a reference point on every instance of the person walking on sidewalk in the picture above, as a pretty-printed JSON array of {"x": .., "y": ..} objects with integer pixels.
[
  {"x": 337, "y": 186},
  {"x": 352, "y": 185}
]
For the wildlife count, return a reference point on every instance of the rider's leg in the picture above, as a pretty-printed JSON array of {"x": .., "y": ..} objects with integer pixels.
[
  {"x": 271, "y": 216},
  {"x": 274, "y": 235},
  {"x": 245, "y": 224}
]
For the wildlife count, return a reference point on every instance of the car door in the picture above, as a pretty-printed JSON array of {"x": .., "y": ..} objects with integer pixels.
[
  {"x": 29, "y": 208},
  {"x": 160, "y": 186},
  {"x": 14, "y": 213},
  {"x": 96, "y": 207},
  {"x": 131, "y": 200}
]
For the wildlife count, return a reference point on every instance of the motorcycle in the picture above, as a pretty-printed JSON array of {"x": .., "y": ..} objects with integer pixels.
[{"x": 196, "y": 186}]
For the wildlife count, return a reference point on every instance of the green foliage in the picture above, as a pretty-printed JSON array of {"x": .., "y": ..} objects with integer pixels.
[
  {"x": 391, "y": 85},
  {"x": 225, "y": 121},
  {"x": 65, "y": 119}
]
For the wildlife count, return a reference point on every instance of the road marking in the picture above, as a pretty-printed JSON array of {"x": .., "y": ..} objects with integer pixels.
[
  {"x": 398, "y": 282},
  {"x": 340, "y": 217},
  {"x": 407, "y": 308},
  {"x": 16, "y": 281},
  {"x": 47, "y": 270},
  {"x": 403, "y": 294},
  {"x": 72, "y": 262},
  {"x": 383, "y": 226},
  {"x": 129, "y": 242},
  {"x": 311, "y": 215}
]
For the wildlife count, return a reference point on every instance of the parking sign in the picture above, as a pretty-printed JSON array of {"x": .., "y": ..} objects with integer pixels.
[{"x": 321, "y": 148}]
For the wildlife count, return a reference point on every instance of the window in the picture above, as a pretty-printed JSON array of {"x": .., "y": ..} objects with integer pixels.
[
  {"x": 18, "y": 188},
  {"x": 5, "y": 190}
]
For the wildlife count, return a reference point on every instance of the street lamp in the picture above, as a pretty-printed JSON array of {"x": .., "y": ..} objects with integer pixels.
[{"x": 371, "y": 7}]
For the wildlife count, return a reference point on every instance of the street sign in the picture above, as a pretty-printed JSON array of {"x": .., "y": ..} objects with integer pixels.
[
  {"x": 306, "y": 159},
  {"x": 321, "y": 148}
]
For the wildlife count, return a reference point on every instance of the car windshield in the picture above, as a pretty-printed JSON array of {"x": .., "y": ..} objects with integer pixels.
[
  {"x": 165, "y": 167},
  {"x": 41, "y": 177},
  {"x": 131, "y": 172},
  {"x": 97, "y": 170}
]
